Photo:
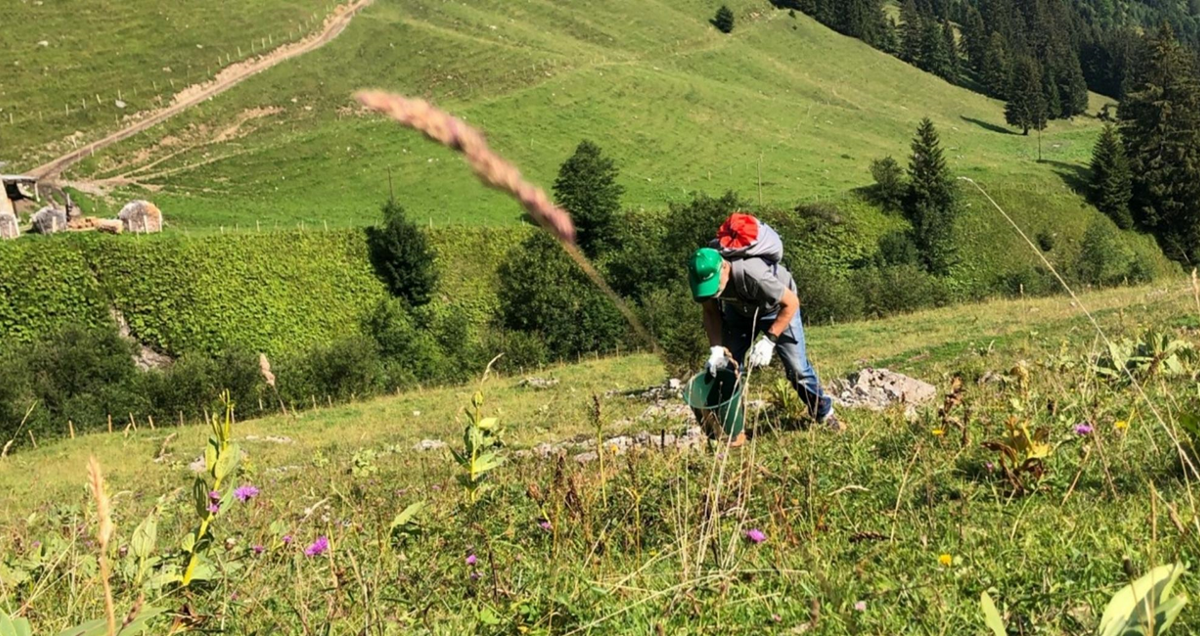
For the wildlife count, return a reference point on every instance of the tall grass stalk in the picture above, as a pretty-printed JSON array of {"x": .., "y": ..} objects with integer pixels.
[{"x": 104, "y": 533}]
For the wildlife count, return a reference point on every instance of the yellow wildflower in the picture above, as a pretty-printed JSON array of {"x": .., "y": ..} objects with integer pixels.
[
  {"x": 938, "y": 432},
  {"x": 1121, "y": 425},
  {"x": 946, "y": 560}
]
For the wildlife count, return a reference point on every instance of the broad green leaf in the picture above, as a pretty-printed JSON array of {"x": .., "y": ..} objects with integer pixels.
[
  {"x": 14, "y": 626},
  {"x": 91, "y": 628},
  {"x": 991, "y": 616},
  {"x": 488, "y": 423},
  {"x": 486, "y": 462},
  {"x": 406, "y": 515},
  {"x": 189, "y": 542},
  {"x": 1131, "y": 606},
  {"x": 145, "y": 536},
  {"x": 210, "y": 454},
  {"x": 488, "y": 617},
  {"x": 227, "y": 462},
  {"x": 200, "y": 497}
]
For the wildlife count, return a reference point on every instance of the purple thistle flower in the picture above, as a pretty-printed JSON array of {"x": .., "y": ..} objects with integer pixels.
[
  {"x": 755, "y": 535},
  {"x": 214, "y": 495},
  {"x": 1083, "y": 429},
  {"x": 287, "y": 539},
  {"x": 245, "y": 493},
  {"x": 475, "y": 576},
  {"x": 471, "y": 559},
  {"x": 318, "y": 547},
  {"x": 214, "y": 508},
  {"x": 258, "y": 549},
  {"x": 545, "y": 525}
]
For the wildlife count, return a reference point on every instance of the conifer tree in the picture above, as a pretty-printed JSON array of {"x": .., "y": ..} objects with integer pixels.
[
  {"x": 1072, "y": 87},
  {"x": 932, "y": 202},
  {"x": 934, "y": 58},
  {"x": 1026, "y": 107},
  {"x": 953, "y": 60},
  {"x": 1160, "y": 124},
  {"x": 995, "y": 71},
  {"x": 723, "y": 20},
  {"x": 975, "y": 39},
  {"x": 911, "y": 32},
  {"x": 1112, "y": 183},
  {"x": 587, "y": 187}
]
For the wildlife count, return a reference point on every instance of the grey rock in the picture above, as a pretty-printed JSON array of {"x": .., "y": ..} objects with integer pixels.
[
  {"x": 879, "y": 389},
  {"x": 538, "y": 383},
  {"x": 429, "y": 444},
  {"x": 49, "y": 220}
]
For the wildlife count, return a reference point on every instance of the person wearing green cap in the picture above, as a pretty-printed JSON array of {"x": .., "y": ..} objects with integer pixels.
[{"x": 745, "y": 297}]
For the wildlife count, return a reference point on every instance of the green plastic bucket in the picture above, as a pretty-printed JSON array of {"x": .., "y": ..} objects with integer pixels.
[{"x": 717, "y": 401}]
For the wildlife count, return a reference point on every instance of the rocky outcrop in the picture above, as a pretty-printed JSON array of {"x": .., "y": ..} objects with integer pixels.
[{"x": 879, "y": 389}]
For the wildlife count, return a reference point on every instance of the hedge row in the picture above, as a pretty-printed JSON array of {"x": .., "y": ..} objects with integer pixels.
[{"x": 277, "y": 293}]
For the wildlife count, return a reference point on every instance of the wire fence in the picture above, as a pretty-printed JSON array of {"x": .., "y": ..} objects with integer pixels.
[{"x": 129, "y": 99}]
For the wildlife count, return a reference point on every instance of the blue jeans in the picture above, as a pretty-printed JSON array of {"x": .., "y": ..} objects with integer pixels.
[{"x": 738, "y": 332}]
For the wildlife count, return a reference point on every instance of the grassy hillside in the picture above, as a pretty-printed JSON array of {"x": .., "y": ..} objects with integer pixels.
[
  {"x": 61, "y": 55},
  {"x": 894, "y": 527},
  {"x": 681, "y": 106}
]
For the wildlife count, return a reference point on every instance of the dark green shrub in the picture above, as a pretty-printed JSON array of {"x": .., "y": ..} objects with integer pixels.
[
  {"x": 1029, "y": 281},
  {"x": 405, "y": 342},
  {"x": 81, "y": 374},
  {"x": 644, "y": 261},
  {"x": 890, "y": 186},
  {"x": 723, "y": 20},
  {"x": 826, "y": 297},
  {"x": 542, "y": 291},
  {"x": 674, "y": 319},
  {"x": 402, "y": 257},
  {"x": 898, "y": 248},
  {"x": 194, "y": 383},
  {"x": 587, "y": 187},
  {"x": 522, "y": 351},
  {"x": 898, "y": 289},
  {"x": 348, "y": 368},
  {"x": 1104, "y": 259},
  {"x": 1046, "y": 240}
]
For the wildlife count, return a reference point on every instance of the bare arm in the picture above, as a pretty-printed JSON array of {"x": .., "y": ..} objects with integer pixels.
[
  {"x": 712, "y": 322},
  {"x": 788, "y": 306}
]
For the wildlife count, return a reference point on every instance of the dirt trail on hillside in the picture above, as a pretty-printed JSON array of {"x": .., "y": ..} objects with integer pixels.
[{"x": 227, "y": 78}]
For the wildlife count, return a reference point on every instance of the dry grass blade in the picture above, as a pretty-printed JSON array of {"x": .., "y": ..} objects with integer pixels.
[
  {"x": 264, "y": 367},
  {"x": 103, "y": 534},
  {"x": 490, "y": 167},
  {"x": 496, "y": 172}
]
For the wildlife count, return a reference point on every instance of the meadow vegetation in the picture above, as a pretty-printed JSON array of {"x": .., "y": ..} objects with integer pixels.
[{"x": 897, "y": 526}]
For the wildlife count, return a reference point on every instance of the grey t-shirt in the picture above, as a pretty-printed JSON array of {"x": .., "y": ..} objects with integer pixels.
[{"x": 756, "y": 285}]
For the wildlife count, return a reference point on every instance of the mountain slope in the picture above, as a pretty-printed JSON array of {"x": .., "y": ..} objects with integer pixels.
[{"x": 681, "y": 106}]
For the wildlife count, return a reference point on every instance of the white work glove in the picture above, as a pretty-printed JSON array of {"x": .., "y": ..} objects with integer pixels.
[
  {"x": 719, "y": 359},
  {"x": 760, "y": 355}
]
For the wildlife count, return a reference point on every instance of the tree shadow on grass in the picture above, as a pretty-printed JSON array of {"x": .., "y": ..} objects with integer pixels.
[
  {"x": 988, "y": 126},
  {"x": 1077, "y": 177}
]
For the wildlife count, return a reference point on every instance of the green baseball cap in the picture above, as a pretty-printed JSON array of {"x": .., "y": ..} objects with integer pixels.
[{"x": 704, "y": 273}]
